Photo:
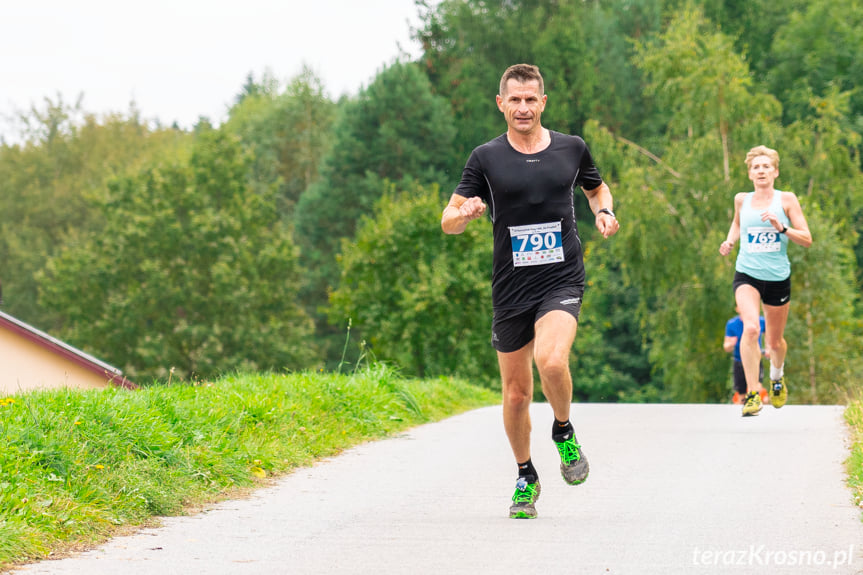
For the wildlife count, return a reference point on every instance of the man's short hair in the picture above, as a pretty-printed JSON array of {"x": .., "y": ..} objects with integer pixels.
[
  {"x": 522, "y": 73},
  {"x": 762, "y": 151}
]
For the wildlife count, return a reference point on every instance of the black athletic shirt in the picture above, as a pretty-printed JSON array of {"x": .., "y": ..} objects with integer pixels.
[{"x": 534, "y": 191}]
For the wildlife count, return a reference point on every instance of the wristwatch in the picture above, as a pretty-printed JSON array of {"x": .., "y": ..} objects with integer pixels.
[
  {"x": 606, "y": 211},
  {"x": 784, "y": 229}
]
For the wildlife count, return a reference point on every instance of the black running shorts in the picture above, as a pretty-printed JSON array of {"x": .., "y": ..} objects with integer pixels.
[
  {"x": 511, "y": 330},
  {"x": 772, "y": 293}
]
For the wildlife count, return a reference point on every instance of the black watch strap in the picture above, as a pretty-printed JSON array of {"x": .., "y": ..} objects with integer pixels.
[{"x": 606, "y": 211}]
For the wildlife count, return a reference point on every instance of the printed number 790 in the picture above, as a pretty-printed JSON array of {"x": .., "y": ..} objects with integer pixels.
[{"x": 537, "y": 241}]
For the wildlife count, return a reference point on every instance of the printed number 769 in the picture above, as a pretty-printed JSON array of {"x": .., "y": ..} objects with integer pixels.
[{"x": 763, "y": 238}]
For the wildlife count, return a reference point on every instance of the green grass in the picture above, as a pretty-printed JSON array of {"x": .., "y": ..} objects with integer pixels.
[
  {"x": 77, "y": 467},
  {"x": 854, "y": 464}
]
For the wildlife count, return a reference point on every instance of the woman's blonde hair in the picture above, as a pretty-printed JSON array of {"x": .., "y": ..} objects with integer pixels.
[{"x": 762, "y": 151}]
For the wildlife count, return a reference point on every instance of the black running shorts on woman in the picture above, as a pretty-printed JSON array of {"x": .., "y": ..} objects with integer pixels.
[
  {"x": 772, "y": 293},
  {"x": 530, "y": 199}
]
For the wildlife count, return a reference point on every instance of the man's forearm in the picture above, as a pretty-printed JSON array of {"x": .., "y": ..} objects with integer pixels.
[{"x": 452, "y": 222}]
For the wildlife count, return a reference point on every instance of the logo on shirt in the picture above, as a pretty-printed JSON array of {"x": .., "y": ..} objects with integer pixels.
[
  {"x": 534, "y": 161},
  {"x": 570, "y": 301}
]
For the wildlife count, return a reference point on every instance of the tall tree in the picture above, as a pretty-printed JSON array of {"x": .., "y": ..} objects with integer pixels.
[
  {"x": 753, "y": 24},
  {"x": 421, "y": 298},
  {"x": 289, "y": 132},
  {"x": 48, "y": 182},
  {"x": 193, "y": 271},
  {"x": 582, "y": 48},
  {"x": 818, "y": 52},
  {"x": 697, "y": 74},
  {"x": 395, "y": 130}
]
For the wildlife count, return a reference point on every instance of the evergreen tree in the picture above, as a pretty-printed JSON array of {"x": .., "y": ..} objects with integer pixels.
[
  {"x": 818, "y": 52},
  {"x": 582, "y": 48},
  {"x": 289, "y": 132},
  {"x": 395, "y": 130}
]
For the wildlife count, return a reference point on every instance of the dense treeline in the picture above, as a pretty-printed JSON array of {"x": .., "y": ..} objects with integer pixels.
[{"x": 304, "y": 232}]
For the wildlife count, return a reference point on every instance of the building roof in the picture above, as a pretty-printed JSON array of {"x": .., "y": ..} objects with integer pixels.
[{"x": 54, "y": 345}]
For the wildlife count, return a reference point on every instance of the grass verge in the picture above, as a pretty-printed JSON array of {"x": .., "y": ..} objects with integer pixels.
[
  {"x": 77, "y": 467},
  {"x": 854, "y": 464}
]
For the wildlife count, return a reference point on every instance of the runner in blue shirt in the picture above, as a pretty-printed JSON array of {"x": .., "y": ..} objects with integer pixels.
[{"x": 731, "y": 344}]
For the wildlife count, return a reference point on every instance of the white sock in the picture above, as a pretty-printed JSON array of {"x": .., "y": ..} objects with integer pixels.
[{"x": 777, "y": 372}]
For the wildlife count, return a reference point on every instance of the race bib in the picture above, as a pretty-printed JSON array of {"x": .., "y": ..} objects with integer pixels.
[
  {"x": 764, "y": 239},
  {"x": 536, "y": 244}
]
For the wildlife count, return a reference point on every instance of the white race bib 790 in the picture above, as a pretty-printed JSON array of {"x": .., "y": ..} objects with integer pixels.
[{"x": 536, "y": 244}]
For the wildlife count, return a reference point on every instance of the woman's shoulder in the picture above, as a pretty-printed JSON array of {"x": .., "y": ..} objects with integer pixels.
[{"x": 788, "y": 198}]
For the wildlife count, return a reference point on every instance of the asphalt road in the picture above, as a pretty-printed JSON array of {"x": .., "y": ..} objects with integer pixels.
[{"x": 686, "y": 489}]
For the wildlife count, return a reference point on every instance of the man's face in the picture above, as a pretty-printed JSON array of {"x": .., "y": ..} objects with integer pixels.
[{"x": 522, "y": 105}]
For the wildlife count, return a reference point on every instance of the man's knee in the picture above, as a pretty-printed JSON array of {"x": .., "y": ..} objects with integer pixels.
[
  {"x": 553, "y": 366},
  {"x": 517, "y": 396}
]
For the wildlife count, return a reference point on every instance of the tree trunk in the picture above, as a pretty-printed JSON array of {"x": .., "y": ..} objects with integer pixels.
[{"x": 723, "y": 134}]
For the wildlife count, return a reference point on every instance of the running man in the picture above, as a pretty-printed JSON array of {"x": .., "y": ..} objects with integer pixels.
[
  {"x": 765, "y": 220},
  {"x": 526, "y": 178},
  {"x": 731, "y": 344}
]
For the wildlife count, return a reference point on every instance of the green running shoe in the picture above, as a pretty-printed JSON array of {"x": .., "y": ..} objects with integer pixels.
[
  {"x": 778, "y": 392},
  {"x": 573, "y": 464},
  {"x": 524, "y": 499},
  {"x": 752, "y": 405}
]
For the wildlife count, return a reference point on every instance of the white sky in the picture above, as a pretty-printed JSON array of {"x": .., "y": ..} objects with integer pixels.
[{"x": 181, "y": 59}]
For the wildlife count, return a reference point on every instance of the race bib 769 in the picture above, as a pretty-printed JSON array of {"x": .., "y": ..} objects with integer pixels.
[{"x": 763, "y": 239}]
